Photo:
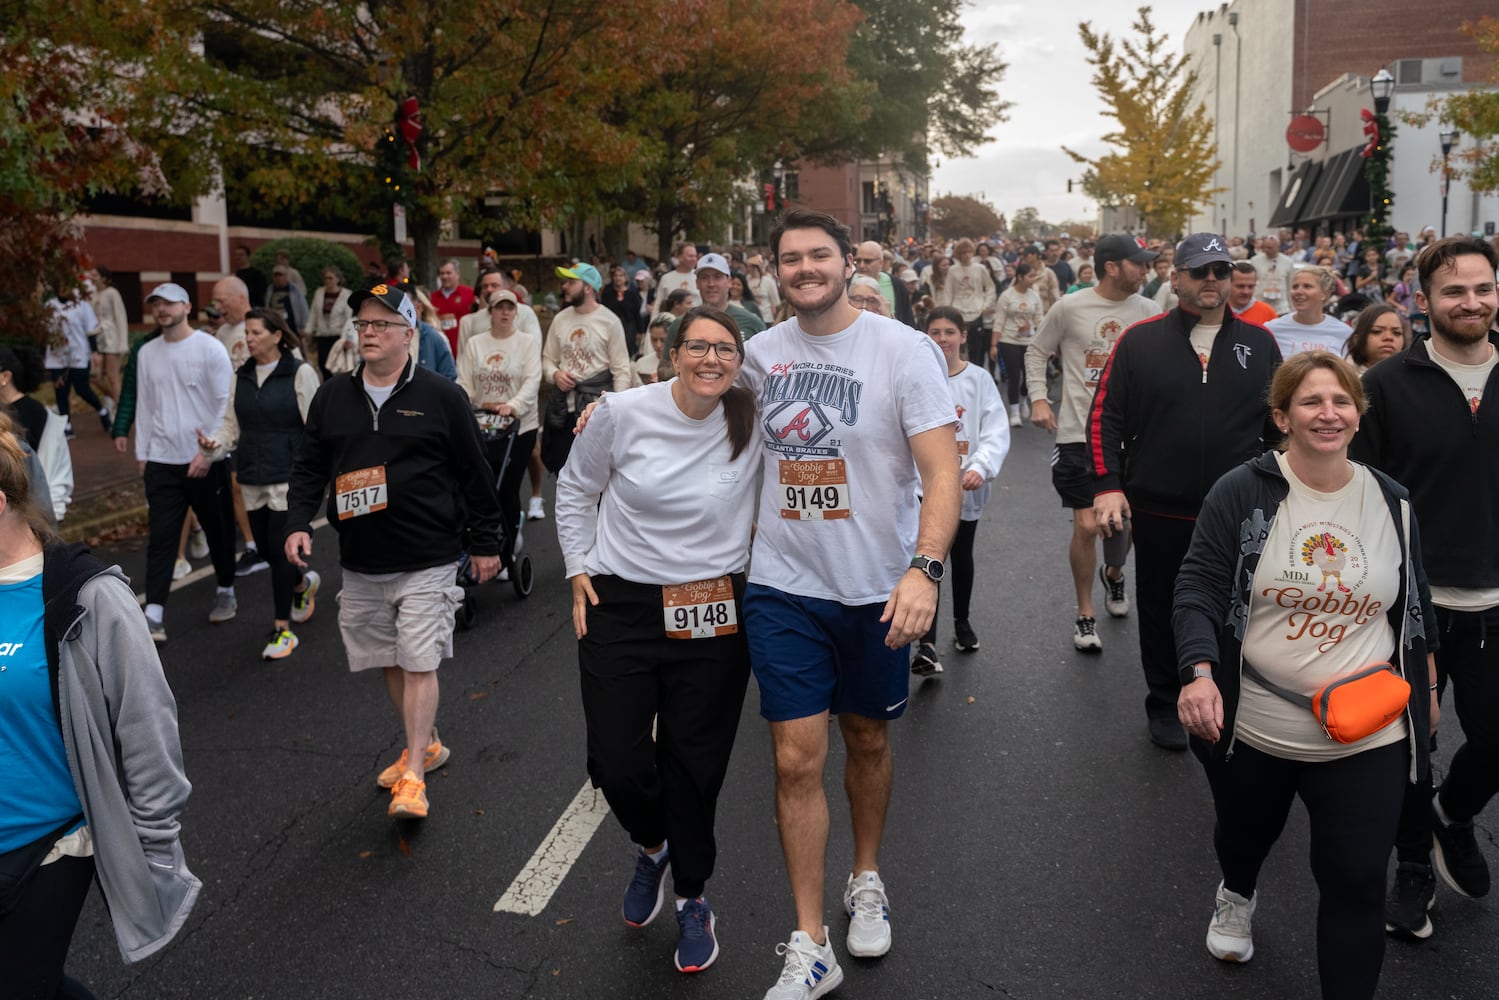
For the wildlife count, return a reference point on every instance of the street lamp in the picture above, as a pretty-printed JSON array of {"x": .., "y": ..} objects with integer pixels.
[
  {"x": 1382, "y": 86},
  {"x": 1448, "y": 137},
  {"x": 1377, "y": 166}
]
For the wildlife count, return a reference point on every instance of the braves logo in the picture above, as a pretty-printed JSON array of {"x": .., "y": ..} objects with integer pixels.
[
  {"x": 1241, "y": 354},
  {"x": 1213, "y": 244},
  {"x": 800, "y": 424},
  {"x": 796, "y": 426}
]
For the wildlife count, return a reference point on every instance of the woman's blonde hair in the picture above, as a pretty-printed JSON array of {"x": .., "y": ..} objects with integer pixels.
[{"x": 15, "y": 481}]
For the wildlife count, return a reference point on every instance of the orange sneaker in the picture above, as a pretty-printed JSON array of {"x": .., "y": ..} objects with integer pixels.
[
  {"x": 435, "y": 757},
  {"x": 408, "y": 800}
]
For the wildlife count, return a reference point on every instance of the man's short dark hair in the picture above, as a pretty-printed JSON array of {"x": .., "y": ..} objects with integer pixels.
[
  {"x": 1244, "y": 267},
  {"x": 676, "y": 298},
  {"x": 393, "y": 262},
  {"x": 1435, "y": 256},
  {"x": 806, "y": 218}
]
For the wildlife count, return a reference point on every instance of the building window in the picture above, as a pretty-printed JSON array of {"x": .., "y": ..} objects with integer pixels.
[
  {"x": 870, "y": 201},
  {"x": 791, "y": 186}
]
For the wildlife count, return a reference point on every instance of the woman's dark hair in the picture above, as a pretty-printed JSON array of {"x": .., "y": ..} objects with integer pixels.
[
  {"x": 676, "y": 298},
  {"x": 738, "y": 402},
  {"x": 1022, "y": 269},
  {"x": 25, "y": 366},
  {"x": 749, "y": 293},
  {"x": 105, "y": 273},
  {"x": 948, "y": 313},
  {"x": 15, "y": 482},
  {"x": 1357, "y": 348},
  {"x": 276, "y": 323},
  {"x": 938, "y": 279}
]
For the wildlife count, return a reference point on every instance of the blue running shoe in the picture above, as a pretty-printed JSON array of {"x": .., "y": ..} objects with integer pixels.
[
  {"x": 697, "y": 945},
  {"x": 647, "y": 890}
]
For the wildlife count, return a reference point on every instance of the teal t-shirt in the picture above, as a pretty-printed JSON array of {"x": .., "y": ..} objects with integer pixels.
[{"x": 32, "y": 757}]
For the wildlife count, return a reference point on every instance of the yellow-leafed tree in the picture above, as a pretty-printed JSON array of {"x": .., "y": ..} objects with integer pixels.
[{"x": 1163, "y": 156}]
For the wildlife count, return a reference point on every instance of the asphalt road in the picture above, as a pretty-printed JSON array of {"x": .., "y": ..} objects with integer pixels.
[{"x": 1038, "y": 846}]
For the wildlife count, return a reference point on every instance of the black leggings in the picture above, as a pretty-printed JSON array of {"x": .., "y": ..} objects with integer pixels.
[
  {"x": 978, "y": 340},
  {"x": 960, "y": 571},
  {"x": 1354, "y": 808},
  {"x": 664, "y": 788},
  {"x": 1014, "y": 359},
  {"x": 269, "y": 529},
  {"x": 73, "y": 380},
  {"x": 36, "y": 934},
  {"x": 510, "y": 481}
]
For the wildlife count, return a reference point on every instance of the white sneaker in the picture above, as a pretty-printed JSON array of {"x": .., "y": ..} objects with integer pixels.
[
  {"x": 1230, "y": 935},
  {"x": 181, "y": 568},
  {"x": 811, "y": 969},
  {"x": 197, "y": 544},
  {"x": 868, "y": 910},
  {"x": 537, "y": 510},
  {"x": 1085, "y": 636},
  {"x": 1015, "y": 420},
  {"x": 503, "y": 576},
  {"x": 520, "y": 536}
]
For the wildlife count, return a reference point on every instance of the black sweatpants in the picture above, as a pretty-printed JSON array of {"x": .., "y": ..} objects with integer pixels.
[
  {"x": 73, "y": 380},
  {"x": 1354, "y": 808},
  {"x": 1013, "y": 356},
  {"x": 978, "y": 340},
  {"x": 36, "y": 934},
  {"x": 1468, "y": 662},
  {"x": 693, "y": 689},
  {"x": 170, "y": 492},
  {"x": 1161, "y": 544},
  {"x": 960, "y": 571},
  {"x": 268, "y": 527}
]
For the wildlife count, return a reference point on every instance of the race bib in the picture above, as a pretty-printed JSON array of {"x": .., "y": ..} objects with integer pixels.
[
  {"x": 963, "y": 448},
  {"x": 448, "y": 322},
  {"x": 1094, "y": 362},
  {"x": 699, "y": 610},
  {"x": 814, "y": 491},
  {"x": 360, "y": 492}
]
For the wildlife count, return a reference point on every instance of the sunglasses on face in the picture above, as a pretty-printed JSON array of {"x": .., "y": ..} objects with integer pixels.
[{"x": 1218, "y": 271}]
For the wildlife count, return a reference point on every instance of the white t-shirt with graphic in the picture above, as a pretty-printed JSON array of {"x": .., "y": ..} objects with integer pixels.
[
  {"x": 1294, "y": 336},
  {"x": 584, "y": 344},
  {"x": 1082, "y": 328},
  {"x": 503, "y": 370},
  {"x": 838, "y": 513},
  {"x": 1471, "y": 379},
  {"x": 1017, "y": 315},
  {"x": 1329, "y": 572},
  {"x": 983, "y": 433}
]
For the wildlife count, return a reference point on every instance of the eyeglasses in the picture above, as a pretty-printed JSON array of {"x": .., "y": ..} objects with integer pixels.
[
  {"x": 868, "y": 260},
  {"x": 377, "y": 325},
  {"x": 1218, "y": 271},
  {"x": 699, "y": 349}
]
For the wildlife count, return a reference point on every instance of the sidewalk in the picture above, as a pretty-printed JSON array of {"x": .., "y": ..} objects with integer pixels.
[{"x": 107, "y": 488}]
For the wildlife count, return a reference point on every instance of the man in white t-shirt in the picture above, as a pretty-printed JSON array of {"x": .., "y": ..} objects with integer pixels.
[
  {"x": 684, "y": 276},
  {"x": 846, "y": 567},
  {"x": 1442, "y": 447},
  {"x": 1081, "y": 330},
  {"x": 182, "y": 383},
  {"x": 1274, "y": 270}
]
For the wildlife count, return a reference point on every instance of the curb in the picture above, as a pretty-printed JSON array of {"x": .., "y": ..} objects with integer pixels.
[{"x": 78, "y": 531}]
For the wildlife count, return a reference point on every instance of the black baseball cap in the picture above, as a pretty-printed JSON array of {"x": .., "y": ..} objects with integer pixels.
[
  {"x": 390, "y": 297},
  {"x": 1117, "y": 246}
]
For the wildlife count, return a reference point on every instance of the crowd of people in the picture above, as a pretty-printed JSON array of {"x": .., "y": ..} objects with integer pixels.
[{"x": 1269, "y": 426}]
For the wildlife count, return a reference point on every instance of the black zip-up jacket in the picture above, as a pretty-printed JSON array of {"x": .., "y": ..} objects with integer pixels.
[
  {"x": 1422, "y": 432},
  {"x": 270, "y": 422},
  {"x": 437, "y": 483},
  {"x": 1210, "y": 612},
  {"x": 1163, "y": 429}
]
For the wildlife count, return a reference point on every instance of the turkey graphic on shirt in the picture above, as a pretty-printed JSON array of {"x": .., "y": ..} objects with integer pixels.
[{"x": 1326, "y": 553}]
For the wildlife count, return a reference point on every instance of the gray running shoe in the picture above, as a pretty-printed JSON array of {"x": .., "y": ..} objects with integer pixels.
[{"x": 225, "y": 607}]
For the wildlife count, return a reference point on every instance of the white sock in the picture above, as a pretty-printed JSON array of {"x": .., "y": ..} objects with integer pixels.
[
  {"x": 226, "y": 591},
  {"x": 155, "y": 613},
  {"x": 656, "y": 858},
  {"x": 682, "y": 902}
]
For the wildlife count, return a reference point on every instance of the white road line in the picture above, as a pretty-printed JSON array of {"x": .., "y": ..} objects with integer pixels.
[
  {"x": 204, "y": 572},
  {"x": 534, "y": 886}
]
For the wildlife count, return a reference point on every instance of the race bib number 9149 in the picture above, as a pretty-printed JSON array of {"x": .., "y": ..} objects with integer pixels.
[
  {"x": 814, "y": 491},
  {"x": 360, "y": 492},
  {"x": 699, "y": 610}
]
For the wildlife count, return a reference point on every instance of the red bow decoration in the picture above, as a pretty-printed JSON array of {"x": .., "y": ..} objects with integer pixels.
[
  {"x": 409, "y": 124},
  {"x": 1371, "y": 129}
]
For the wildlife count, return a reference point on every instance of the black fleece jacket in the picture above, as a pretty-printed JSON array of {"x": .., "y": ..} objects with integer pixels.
[
  {"x": 427, "y": 443},
  {"x": 1163, "y": 429}
]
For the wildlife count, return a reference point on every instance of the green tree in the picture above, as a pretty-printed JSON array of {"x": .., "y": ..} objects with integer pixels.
[
  {"x": 1028, "y": 224},
  {"x": 922, "y": 89},
  {"x": 1163, "y": 156},
  {"x": 508, "y": 95},
  {"x": 955, "y": 216}
]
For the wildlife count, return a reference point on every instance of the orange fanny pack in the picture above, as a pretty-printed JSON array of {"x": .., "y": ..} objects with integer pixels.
[{"x": 1353, "y": 706}]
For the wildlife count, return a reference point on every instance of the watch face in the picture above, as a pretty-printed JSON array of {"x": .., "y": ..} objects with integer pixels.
[{"x": 935, "y": 569}]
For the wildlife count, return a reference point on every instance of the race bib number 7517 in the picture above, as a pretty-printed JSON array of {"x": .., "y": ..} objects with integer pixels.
[{"x": 360, "y": 492}]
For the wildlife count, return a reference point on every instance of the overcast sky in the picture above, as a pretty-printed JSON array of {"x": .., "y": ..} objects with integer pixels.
[{"x": 1054, "y": 104}]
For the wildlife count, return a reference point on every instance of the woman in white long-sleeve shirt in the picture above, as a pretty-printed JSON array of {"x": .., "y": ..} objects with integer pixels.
[{"x": 659, "y": 634}]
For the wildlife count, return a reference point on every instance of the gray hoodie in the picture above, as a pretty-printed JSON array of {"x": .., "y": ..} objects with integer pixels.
[{"x": 119, "y": 727}]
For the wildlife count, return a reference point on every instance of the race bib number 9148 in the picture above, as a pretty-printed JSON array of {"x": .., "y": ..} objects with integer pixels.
[
  {"x": 699, "y": 610},
  {"x": 814, "y": 491},
  {"x": 360, "y": 492}
]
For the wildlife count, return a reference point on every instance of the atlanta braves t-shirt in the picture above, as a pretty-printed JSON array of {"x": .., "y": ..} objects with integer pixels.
[
  {"x": 1326, "y": 579},
  {"x": 838, "y": 513}
]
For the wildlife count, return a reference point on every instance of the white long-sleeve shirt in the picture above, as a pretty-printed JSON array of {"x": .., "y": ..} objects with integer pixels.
[
  {"x": 643, "y": 472},
  {"x": 182, "y": 387}
]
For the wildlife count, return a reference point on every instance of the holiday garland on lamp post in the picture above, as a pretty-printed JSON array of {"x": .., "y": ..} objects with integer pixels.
[{"x": 1376, "y": 155}]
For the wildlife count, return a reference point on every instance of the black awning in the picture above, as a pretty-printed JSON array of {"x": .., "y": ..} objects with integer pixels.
[
  {"x": 1297, "y": 193},
  {"x": 1342, "y": 191}
]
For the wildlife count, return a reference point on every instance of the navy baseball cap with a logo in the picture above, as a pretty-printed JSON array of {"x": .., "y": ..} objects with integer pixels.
[
  {"x": 391, "y": 298},
  {"x": 1199, "y": 249}
]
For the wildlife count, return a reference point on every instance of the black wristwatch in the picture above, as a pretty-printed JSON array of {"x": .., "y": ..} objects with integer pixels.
[
  {"x": 933, "y": 568},
  {"x": 1189, "y": 674}
]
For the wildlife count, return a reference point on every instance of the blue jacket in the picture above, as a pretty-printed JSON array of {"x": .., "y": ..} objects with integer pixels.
[
  {"x": 433, "y": 352},
  {"x": 1210, "y": 613}
]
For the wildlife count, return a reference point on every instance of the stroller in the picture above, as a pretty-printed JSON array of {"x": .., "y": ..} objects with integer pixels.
[{"x": 499, "y": 435}]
